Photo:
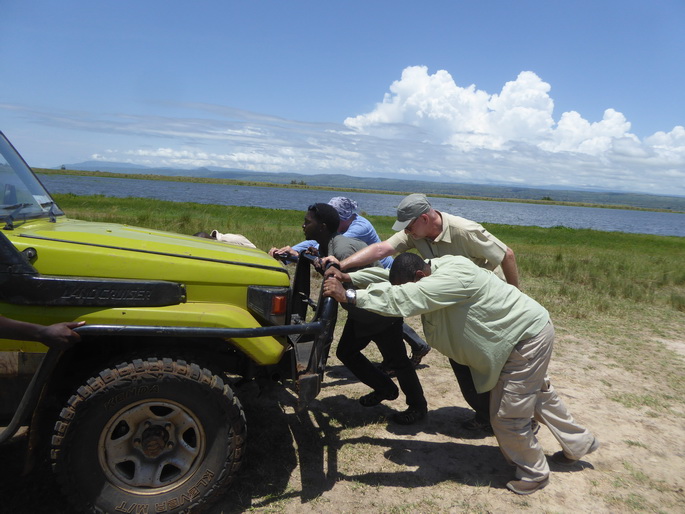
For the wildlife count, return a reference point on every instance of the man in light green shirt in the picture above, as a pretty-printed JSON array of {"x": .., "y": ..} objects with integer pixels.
[
  {"x": 435, "y": 234},
  {"x": 502, "y": 335}
]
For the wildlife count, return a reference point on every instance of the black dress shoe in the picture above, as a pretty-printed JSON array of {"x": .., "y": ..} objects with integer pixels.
[{"x": 418, "y": 355}]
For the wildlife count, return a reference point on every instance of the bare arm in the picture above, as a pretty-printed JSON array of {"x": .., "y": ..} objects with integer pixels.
[
  {"x": 510, "y": 269},
  {"x": 59, "y": 335},
  {"x": 368, "y": 255}
]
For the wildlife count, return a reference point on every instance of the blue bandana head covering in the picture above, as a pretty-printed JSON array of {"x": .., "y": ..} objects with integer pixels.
[{"x": 346, "y": 208}]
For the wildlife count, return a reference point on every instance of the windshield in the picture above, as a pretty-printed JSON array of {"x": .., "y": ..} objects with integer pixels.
[{"x": 22, "y": 196}]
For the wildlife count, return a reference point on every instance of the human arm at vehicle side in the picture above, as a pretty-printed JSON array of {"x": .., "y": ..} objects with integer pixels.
[{"x": 58, "y": 335}]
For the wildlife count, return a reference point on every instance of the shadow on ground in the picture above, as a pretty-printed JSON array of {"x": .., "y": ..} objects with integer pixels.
[{"x": 280, "y": 441}]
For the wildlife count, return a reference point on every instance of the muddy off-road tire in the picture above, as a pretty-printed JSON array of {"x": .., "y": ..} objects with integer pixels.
[{"x": 154, "y": 435}]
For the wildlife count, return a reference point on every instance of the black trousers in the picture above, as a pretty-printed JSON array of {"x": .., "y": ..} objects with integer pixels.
[
  {"x": 390, "y": 343},
  {"x": 480, "y": 402}
]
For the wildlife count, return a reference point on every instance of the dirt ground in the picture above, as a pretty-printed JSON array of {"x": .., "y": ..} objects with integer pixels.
[{"x": 341, "y": 457}]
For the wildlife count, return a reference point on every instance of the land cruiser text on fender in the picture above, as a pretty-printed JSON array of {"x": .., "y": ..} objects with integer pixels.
[{"x": 139, "y": 416}]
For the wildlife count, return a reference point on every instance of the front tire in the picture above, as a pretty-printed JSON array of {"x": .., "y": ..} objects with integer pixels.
[{"x": 155, "y": 435}]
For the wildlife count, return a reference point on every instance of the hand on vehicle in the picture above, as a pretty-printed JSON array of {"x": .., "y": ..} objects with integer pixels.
[
  {"x": 60, "y": 335},
  {"x": 338, "y": 275},
  {"x": 334, "y": 289},
  {"x": 332, "y": 261},
  {"x": 318, "y": 264},
  {"x": 279, "y": 253}
]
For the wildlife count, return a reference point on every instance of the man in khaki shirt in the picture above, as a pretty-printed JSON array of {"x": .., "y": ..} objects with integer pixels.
[
  {"x": 503, "y": 336},
  {"x": 435, "y": 234}
]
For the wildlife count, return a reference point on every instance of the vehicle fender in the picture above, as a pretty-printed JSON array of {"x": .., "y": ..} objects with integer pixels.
[{"x": 262, "y": 351}]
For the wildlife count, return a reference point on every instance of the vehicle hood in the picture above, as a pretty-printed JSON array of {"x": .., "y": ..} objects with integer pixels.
[{"x": 123, "y": 251}]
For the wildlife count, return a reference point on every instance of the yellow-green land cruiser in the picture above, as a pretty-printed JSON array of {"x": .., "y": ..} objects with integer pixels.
[{"x": 139, "y": 416}]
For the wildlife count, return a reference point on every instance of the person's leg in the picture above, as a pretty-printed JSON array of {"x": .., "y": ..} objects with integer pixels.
[
  {"x": 392, "y": 349},
  {"x": 419, "y": 347},
  {"x": 513, "y": 403},
  {"x": 575, "y": 440},
  {"x": 349, "y": 353},
  {"x": 479, "y": 402}
]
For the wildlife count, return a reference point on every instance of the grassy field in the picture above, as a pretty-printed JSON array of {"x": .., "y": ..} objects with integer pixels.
[{"x": 596, "y": 282}]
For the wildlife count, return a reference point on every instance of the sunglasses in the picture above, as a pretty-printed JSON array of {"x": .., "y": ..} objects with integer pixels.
[{"x": 408, "y": 227}]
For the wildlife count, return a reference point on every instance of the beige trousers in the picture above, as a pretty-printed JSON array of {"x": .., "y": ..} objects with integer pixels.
[{"x": 523, "y": 391}]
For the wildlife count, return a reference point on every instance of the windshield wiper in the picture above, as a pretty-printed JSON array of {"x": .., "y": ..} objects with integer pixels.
[
  {"x": 51, "y": 212},
  {"x": 9, "y": 225},
  {"x": 13, "y": 206}
]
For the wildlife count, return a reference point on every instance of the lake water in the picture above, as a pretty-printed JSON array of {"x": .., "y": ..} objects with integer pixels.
[{"x": 616, "y": 220}]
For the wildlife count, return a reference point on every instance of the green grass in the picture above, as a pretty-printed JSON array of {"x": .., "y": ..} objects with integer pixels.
[
  {"x": 637, "y": 444},
  {"x": 589, "y": 272}
]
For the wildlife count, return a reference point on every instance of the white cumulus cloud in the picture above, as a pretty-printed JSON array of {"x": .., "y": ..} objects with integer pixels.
[
  {"x": 513, "y": 136},
  {"x": 467, "y": 118}
]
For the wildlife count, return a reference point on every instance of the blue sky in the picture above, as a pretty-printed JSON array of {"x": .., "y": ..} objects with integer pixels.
[{"x": 580, "y": 94}]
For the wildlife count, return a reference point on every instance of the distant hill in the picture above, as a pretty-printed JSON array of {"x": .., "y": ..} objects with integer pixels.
[
  {"x": 114, "y": 167},
  {"x": 676, "y": 203}
]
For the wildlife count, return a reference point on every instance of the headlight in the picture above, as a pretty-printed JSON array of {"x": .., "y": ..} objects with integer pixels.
[{"x": 269, "y": 304}]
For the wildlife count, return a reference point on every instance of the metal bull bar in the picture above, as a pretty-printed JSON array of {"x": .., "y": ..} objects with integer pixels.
[
  {"x": 310, "y": 342},
  {"x": 311, "y": 355},
  {"x": 315, "y": 327}
]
